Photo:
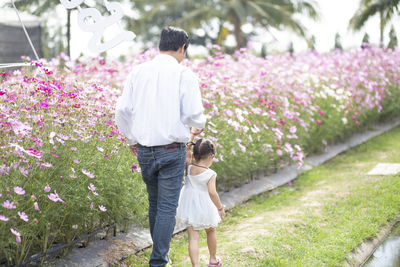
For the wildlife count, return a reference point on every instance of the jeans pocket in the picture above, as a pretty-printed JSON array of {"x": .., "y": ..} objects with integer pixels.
[
  {"x": 145, "y": 164},
  {"x": 173, "y": 165}
]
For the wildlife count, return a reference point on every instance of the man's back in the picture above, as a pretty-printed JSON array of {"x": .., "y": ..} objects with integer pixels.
[{"x": 162, "y": 94}]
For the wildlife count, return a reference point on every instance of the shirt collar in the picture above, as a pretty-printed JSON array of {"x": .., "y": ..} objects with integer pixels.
[{"x": 167, "y": 58}]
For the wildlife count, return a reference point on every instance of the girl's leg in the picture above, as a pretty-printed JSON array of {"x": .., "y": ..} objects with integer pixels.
[
  {"x": 193, "y": 246},
  {"x": 212, "y": 244}
]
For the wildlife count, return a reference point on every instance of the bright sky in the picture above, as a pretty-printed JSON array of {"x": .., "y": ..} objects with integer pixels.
[{"x": 335, "y": 16}]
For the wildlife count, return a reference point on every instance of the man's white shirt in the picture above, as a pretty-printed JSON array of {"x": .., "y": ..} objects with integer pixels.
[{"x": 161, "y": 100}]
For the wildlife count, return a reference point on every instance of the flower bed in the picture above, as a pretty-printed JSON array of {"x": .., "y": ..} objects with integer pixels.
[{"x": 66, "y": 170}]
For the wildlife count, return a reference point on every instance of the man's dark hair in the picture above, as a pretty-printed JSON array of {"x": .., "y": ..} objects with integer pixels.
[{"x": 172, "y": 39}]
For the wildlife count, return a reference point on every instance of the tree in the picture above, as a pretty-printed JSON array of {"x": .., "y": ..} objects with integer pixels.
[
  {"x": 263, "y": 51},
  {"x": 393, "y": 38},
  {"x": 386, "y": 9},
  {"x": 311, "y": 43},
  {"x": 291, "y": 48},
  {"x": 338, "y": 42},
  {"x": 365, "y": 41},
  {"x": 192, "y": 15}
]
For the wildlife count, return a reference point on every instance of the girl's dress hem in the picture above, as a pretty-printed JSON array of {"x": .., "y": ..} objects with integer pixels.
[{"x": 195, "y": 206}]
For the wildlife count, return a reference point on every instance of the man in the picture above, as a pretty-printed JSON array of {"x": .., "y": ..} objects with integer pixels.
[{"x": 161, "y": 100}]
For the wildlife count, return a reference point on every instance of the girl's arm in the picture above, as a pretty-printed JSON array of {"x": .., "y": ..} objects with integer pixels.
[{"x": 212, "y": 191}]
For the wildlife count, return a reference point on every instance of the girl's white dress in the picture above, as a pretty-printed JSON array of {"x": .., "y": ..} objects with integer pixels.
[{"x": 195, "y": 206}]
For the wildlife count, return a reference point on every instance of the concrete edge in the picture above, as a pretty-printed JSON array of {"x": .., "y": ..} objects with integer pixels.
[{"x": 360, "y": 255}]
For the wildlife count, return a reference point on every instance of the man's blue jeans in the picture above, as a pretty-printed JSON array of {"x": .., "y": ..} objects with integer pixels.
[{"x": 162, "y": 171}]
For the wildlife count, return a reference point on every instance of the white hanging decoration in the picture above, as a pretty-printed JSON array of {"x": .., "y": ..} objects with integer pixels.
[
  {"x": 91, "y": 20},
  {"x": 70, "y": 4}
]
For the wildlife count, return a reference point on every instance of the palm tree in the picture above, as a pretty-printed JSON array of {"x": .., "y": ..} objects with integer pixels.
[
  {"x": 196, "y": 14},
  {"x": 369, "y": 8},
  {"x": 393, "y": 38}
]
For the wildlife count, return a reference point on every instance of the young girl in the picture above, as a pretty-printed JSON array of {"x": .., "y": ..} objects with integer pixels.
[{"x": 199, "y": 204}]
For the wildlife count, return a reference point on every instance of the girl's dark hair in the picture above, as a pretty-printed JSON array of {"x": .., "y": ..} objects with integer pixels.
[
  {"x": 172, "y": 39},
  {"x": 203, "y": 148}
]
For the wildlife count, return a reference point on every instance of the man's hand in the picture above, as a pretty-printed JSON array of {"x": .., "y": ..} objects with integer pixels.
[
  {"x": 194, "y": 132},
  {"x": 133, "y": 149}
]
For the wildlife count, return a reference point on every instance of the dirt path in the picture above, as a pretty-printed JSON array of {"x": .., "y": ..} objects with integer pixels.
[
  {"x": 241, "y": 237},
  {"x": 318, "y": 220}
]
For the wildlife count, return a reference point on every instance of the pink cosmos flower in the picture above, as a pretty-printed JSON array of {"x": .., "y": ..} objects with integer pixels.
[
  {"x": 9, "y": 204},
  {"x": 76, "y": 161},
  {"x": 3, "y": 218},
  {"x": 134, "y": 167},
  {"x": 93, "y": 189},
  {"x": 47, "y": 188},
  {"x": 288, "y": 148},
  {"x": 34, "y": 153},
  {"x": 74, "y": 148},
  {"x": 54, "y": 197},
  {"x": 279, "y": 152},
  {"x": 46, "y": 165},
  {"x": 72, "y": 95},
  {"x": 23, "y": 171},
  {"x": 36, "y": 205},
  {"x": 102, "y": 208},
  {"x": 23, "y": 216},
  {"x": 54, "y": 154},
  {"x": 100, "y": 149},
  {"x": 19, "y": 190},
  {"x": 47, "y": 71},
  {"x": 91, "y": 205},
  {"x": 242, "y": 147},
  {"x": 44, "y": 105},
  {"x": 88, "y": 173},
  {"x": 17, "y": 234}
]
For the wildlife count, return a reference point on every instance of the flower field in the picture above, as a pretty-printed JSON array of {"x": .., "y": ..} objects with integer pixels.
[{"x": 65, "y": 169}]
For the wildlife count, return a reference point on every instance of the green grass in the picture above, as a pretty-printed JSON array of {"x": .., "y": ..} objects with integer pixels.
[{"x": 317, "y": 221}]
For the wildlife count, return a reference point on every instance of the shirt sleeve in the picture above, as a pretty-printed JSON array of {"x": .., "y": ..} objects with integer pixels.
[
  {"x": 124, "y": 112},
  {"x": 191, "y": 103}
]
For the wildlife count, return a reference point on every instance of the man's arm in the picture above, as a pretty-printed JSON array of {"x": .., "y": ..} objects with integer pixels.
[
  {"x": 124, "y": 112},
  {"x": 191, "y": 103}
]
